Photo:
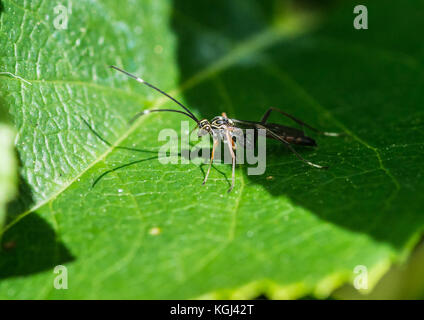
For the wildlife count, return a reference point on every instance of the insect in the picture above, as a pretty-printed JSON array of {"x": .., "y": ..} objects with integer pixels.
[{"x": 222, "y": 128}]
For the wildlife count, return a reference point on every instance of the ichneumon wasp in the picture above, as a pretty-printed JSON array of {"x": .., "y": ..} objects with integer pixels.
[{"x": 227, "y": 129}]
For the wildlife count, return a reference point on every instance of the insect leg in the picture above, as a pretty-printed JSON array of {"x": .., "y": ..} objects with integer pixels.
[
  {"x": 233, "y": 157},
  {"x": 215, "y": 143},
  {"x": 303, "y": 124},
  {"x": 276, "y": 136}
]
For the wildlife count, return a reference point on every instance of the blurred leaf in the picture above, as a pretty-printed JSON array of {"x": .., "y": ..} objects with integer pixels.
[
  {"x": 404, "y": 281},
  {"x": 149, "y": 230},
  {"x": 8, "y": 169},
  {"x": 8, "y": 165}
]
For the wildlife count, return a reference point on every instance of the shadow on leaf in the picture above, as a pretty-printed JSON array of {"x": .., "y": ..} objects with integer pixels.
[
  {"x": 31, "y": 245},
  {"x": 300, "y": 76}
]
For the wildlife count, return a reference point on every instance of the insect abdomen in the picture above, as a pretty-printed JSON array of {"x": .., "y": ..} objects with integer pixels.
[
  {"x": 303, "y": 141},
  {"x": 299, "y": 140}
]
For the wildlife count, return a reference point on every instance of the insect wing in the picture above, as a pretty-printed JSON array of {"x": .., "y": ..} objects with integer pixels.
[{"x": 244, "y": 138}]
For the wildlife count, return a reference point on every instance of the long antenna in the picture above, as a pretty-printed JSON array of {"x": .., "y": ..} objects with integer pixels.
[
  {"x": 157, "y": 89},
  {"x": 160, "y": 110}
]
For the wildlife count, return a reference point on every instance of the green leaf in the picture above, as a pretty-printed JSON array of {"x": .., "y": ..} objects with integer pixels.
[{"x": 149, "y": 230}]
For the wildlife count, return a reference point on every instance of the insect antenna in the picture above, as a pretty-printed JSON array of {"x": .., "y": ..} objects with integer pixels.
[
  {"x": 161, "y": 110},
  {"x": 160, "y": 91}
]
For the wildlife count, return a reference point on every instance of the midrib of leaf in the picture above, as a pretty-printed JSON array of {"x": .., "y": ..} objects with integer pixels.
[{"x": 256, "y": 43}]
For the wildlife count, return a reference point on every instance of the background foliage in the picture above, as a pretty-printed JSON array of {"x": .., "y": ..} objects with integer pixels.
[{"x": 148, "y": 230}]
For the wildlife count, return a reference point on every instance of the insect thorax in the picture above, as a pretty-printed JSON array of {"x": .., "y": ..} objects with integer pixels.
[{"x": 221, "y": 122}]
